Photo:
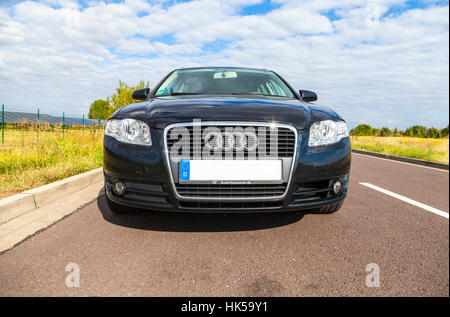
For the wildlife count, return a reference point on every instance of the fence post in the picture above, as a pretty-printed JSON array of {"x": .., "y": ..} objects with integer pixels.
[
  {"x": 38, "y": 124},
  {"x": 93, "y": 127},
  {"x": 3, "y": 124},
  {"x": 63, "y": 125}
]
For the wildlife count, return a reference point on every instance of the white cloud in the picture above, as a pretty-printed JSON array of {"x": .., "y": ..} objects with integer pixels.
[
  {"x": 299, "y": 20},
  {"x": 139, "y": 46},
  {"x": 394, "y": 73}
]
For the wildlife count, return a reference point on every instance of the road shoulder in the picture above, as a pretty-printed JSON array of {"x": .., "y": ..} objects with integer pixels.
[{"x": 20, "y": 228}]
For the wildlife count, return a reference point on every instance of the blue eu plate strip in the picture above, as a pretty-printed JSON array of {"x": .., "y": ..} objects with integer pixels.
[{"x": 185, "y": 170}]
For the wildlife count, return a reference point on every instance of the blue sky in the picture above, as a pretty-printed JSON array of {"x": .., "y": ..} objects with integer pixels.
[{"x": 382, "y": 62}]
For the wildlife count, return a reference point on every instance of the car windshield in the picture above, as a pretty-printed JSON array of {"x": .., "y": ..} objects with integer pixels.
[{"x": 234, "y": 81}]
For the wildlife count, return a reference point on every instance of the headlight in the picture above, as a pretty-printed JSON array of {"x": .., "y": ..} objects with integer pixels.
[
  {"x": 327, "y": 132},
  {"x": 129, "y": 131}
]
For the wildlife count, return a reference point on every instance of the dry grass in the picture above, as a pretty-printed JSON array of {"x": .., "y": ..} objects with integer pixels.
[
  {"x": 436, "y": 150},
  {"x": 27, "y": 162}
]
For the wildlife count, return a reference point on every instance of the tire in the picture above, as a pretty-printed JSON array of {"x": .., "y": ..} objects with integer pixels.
[
  {"x": 116, "y": 208},
  {"x": 330, "y": 208}
]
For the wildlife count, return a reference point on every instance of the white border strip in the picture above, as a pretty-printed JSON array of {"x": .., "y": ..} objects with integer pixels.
[{"x": 408, "y": 200}]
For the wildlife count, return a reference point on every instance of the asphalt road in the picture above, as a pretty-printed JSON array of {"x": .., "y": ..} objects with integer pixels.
[{"x": 285, "y": 254}]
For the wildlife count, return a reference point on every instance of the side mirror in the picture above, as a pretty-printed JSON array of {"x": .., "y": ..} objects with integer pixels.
[
  {"x": 307, "y": 95},
  {"x": 141, "y": 94}
]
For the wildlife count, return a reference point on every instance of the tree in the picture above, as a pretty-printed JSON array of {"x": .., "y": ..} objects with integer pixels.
[
  {"x": 433, "y": 133},
  {"x": 444, "y": 132},
  {"x": 395, "y": 132},
  {"x": 100, "y": 109},
  {"x": 361, "y": 130},
  {"x": 385, "y": 131},
  {"x": 416, "y": 131},
  {"x": 122, "y": 97},
  {"x": 376, "y": 132},
  {"x": 409, "y": 132}
]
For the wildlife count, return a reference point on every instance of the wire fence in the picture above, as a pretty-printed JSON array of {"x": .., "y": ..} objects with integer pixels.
[{"x": 31, "y": 123}]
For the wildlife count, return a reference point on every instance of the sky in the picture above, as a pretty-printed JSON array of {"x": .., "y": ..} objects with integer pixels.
[{"x": 380, "y": 62}]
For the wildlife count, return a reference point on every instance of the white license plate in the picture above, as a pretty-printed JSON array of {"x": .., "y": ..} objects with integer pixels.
[{"x": 238, "y": 171}]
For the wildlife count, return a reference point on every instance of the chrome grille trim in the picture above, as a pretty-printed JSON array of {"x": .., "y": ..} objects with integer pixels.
[
  {"x": 231, "y": 124},
  {"x": 285, "y": 142}
]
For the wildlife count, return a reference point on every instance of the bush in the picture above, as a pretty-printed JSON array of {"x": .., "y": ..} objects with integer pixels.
[
  {"x": 376, "y": 132},
  {"x": 433, "y": 133},
  {"x": 417, "y": 131},
  {"x": 362, "y": 130},
  {"x": 122, "y": 97},
  {"x": 395, "y": 132},
  {"x": 385, "y": 132},
  {"x": 100, "y": 109},
  {"x": 444, "y": 132}
]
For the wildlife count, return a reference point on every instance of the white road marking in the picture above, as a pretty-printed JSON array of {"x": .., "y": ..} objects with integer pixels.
[
  {"x": 395, "y": 161},
  {"x": 408, "y": 200}
]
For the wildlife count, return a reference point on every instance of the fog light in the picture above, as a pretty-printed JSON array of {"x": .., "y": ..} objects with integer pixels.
[
  {"x": 337, "y": 187},
  {"x": 119, "y": 188}
]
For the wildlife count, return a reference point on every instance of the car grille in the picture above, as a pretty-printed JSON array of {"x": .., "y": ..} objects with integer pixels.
[
  {"x": 286, "y": 145},
  {"x": 285, "y": 142},
  {"x": 220, "y": 205},
  {"x": 235, "y": 191}
]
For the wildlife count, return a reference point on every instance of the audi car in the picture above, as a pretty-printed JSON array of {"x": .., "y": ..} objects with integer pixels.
[{"x": 225, "y": 139}]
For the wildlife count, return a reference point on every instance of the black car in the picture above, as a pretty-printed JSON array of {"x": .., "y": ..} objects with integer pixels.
[{"x": 226, "y": 139}]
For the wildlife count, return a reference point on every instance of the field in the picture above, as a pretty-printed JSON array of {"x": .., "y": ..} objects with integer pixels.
[
  {"x": 27, "y": 161},
  {"x": 436, "y": 150}
]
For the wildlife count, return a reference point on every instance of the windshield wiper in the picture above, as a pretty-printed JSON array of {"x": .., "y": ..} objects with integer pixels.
[
  {"x": 204, "y": 93},
  {"x": 182, "y": 94},
  {"x": 257, "y": 94}
]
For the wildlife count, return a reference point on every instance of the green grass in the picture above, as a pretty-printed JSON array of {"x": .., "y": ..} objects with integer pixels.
[
  {"x": 27, "y": 162},
  {"x": 435, "y": 150}
]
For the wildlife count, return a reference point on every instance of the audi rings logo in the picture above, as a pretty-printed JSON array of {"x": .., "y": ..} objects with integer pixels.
[
  {"x": 228, "y": 141},
  {"x": 217, "y": 141}
]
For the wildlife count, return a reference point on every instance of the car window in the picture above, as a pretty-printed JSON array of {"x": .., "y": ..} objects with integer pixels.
[
  {"x": 262, "y": 89},
  {"x": 224, "y": 81}
]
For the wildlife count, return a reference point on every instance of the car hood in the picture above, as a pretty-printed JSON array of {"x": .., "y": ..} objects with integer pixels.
[{"x": 160, "y": 112}]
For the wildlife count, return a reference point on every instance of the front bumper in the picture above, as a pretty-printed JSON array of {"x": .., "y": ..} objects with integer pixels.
[{"x": 144, "y": 171}]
